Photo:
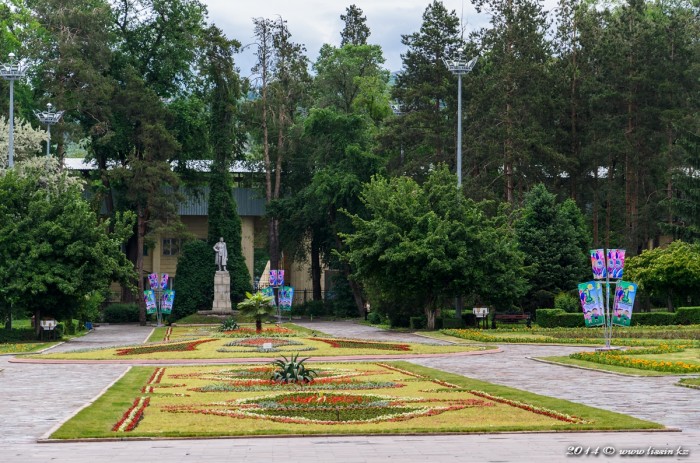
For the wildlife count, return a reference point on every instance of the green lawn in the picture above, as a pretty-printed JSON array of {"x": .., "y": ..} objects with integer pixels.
[
  {"x": 693, "y": 383},
  {"x": 345, "y": 399}
]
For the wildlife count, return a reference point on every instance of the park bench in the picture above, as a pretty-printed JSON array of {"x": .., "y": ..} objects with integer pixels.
[{"x": 512, "y": 317}]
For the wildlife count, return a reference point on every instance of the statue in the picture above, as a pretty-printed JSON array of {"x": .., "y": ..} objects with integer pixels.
[{"x": 221, "y": 254}]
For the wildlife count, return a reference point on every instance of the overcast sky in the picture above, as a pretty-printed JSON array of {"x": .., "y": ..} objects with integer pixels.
[{"x": 315, "y": 22}]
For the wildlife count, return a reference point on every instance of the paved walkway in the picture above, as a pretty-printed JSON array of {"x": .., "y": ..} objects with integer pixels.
[{"x": 35, "y": 398}]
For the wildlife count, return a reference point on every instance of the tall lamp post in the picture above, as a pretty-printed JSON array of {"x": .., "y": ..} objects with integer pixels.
[
  {"x": 48, "y": 117},
  {"x": 12, "y": 71},
  {"x": 459, "y": 66}
]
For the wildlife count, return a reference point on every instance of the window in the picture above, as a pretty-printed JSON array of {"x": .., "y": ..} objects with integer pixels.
[{"x": 171, "y": 246}]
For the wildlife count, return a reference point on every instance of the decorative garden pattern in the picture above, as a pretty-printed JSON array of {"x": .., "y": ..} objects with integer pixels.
[
  {"x": 343, "y": 398},
  {"x": 170, "y": 347},
  {"x": 358, "y": 344}
]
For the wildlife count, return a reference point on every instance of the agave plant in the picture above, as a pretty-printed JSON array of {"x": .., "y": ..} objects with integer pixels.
[{"x": 292, "y": 370}]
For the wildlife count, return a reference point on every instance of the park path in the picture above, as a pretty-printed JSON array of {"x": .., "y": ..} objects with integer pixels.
[{"x": 36, "y": 397}]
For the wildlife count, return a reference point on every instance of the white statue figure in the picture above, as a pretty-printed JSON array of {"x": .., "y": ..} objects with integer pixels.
[{"x": 221, "y": 254}]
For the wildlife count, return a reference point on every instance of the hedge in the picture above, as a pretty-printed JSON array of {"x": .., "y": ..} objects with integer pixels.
[
  {"x": 688, "y": 316},
  {"x": 558, "y": 318},
  {"x": 452, "y": 323},
  {"x": 653, "y": 319},
  {"x": 417, "y": 323},
  {"x": 121, "y": 313}
]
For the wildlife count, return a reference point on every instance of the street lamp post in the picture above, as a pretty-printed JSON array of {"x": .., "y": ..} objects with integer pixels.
[
  {"x": 48, "y": 117},
  {"x": 12, "y": 71},
  {"x": 459, "y": 66}
]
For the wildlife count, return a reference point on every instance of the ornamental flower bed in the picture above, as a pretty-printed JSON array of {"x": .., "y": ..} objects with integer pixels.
[
  {"x": 403, "y": 399},
  {"x": 171, "y": 347},
  {"x": 245, "y": 331},
  {"x": 357, "y": 344},
  {"x": 627, "y": 359}
]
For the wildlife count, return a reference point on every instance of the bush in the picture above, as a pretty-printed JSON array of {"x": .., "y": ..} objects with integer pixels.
[
  {"x": 546, "y": 317},
  {"x": 228, "y": 325},
  {"x": 567, "y": 303},
  {"x": 315, "y": 308},
  {"x": 688, "y": 316},
  {"x": 17, "y": 335},
  {"x": 417, "y": 323},
  {"x": 374, "y": 318},
  {"x": 121, "y": 313},
  {"x": 469, "y": 319},
  {"x": 453, "y": 323},
  {"x": 194, "y": 283},
  {"x": 653, "y": 319}
]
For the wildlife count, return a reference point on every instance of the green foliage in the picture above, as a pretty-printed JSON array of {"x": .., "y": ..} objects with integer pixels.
[
  {"x": 194, "y": 285},
  {"x": 438, "y": 243},
  {"x": 292, "y": 370},
  {"x": 546, "y": 317},
  {"x": 374, "y": 318},
  {"x": 90, "y": 308},
  {"x": 567, "y": 303},
  {"x": 355, "y": 31},
  {"x": 554, "y": 241},
  {"x": 121, "y": 313},
  {"x": 417, "y": 323},
  {"x": 653, "y": 319},
  {"x": 228, "y": 325},
  {"x": 257, "y": 306},
  {"x": 55, "y": 249},
  {"x": 672, "y": 272},
  {"x": 688, "y": 316},
  {"x": 453, "y": 323}
]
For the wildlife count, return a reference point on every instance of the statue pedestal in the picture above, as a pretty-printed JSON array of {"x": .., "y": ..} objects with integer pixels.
[{"x": 222, "y": 293}]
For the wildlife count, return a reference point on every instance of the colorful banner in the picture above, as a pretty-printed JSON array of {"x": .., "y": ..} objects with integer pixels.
[
  {"x": 149, "y": 296},
  {"x": 616, "y": 263},
  {"x": 624, "y": 303},
  {"x": 598, "y": 264},
  {"x": 167, "y": 300},
  {"x": 280, "y": 277},
  {"x": 273, "y": 277},
  {"x": 164, "y": 281},
  {"x": 270, "y": 293},
  {"x": 286, "y": 297},
  {"x": 153, "y": 280},
  {"x": 592, "y": 302}
]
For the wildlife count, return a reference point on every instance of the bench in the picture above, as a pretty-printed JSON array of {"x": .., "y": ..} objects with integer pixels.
[{"x": 512, "y": 317}]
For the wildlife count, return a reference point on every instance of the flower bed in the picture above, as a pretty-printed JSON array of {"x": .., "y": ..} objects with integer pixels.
[
  {"x": 627, "y": 359},
  {"x": 358, "y": 344},
  {"x": 242, "y": 401},
  {"x": 171, "y": 347}
]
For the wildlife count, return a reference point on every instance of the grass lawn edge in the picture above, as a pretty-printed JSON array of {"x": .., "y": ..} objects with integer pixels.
[
  {"x": 601, "y": 420},
  {"x": 610, "y": 369}
]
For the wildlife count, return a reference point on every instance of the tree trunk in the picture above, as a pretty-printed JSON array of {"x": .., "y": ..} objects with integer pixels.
[
  {"x": 258, "y": 326},
  {"x": 430, "y": 316},
  {"x": 316, "y": 269},
  {"x": 37, "y": 323},
  {"x": 140, "y": 234}
]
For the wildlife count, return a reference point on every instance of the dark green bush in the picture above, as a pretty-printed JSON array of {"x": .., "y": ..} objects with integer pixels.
[
  {"x": 567, "y": 303},
  {"x": 417, "y": 323},
  {"x": 546, "y": 317},
  {"x": 60, "y": 330},
  {"x": 194, "y": 283},
  {"x": 70, "y": 327},
  {"x": 469, "y": 319},
  {"x": 688, "y": 316},
  {"x": 653, "y": 318},
  {"x": 121, "y": 313},
  {"x": 315, "y": 308},
  {"x": 17, "y": 335},
  {"x": 374, "y": 318},
  {"x": 453, "y": 323}
]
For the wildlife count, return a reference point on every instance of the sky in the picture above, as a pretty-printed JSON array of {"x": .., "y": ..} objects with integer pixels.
[{"x": 315, "y": 22}]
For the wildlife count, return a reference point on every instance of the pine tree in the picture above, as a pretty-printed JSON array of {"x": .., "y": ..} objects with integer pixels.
[{"x": 355, "y": 31}]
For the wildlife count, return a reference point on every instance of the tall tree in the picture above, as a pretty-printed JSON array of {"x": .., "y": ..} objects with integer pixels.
[
  {"x": 355, "y": 30},
  {"x": 282, "y": 69},
  {"x": 513, "y": 99},
  {"x": 555, "y": 242},
  {"x": 425, "y": 91}
]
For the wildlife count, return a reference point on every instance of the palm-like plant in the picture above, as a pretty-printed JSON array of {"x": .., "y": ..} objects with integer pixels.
[
  {"x": 256, "y": 305},
  {"x": 292, "y": 370}
]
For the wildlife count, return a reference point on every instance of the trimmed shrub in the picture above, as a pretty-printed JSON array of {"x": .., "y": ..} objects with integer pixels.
[
  {"x": 546, "y": 317},
  {"x": 469, "y": 319},
  {"x": 653, "y": 318},
  {"x": 417, "y": 323},
  {"x": 374, "y": 318},
  {"x": 567, "y": 303},
  {"x": 688, "y": 316},
  {"x": 453, "y": 323},
  {"x": 569, "y": 320},
  {"x": 194, "y": 284},
  {"x": 121, "y": 313},
  {"x": 315, "y": 308}
]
